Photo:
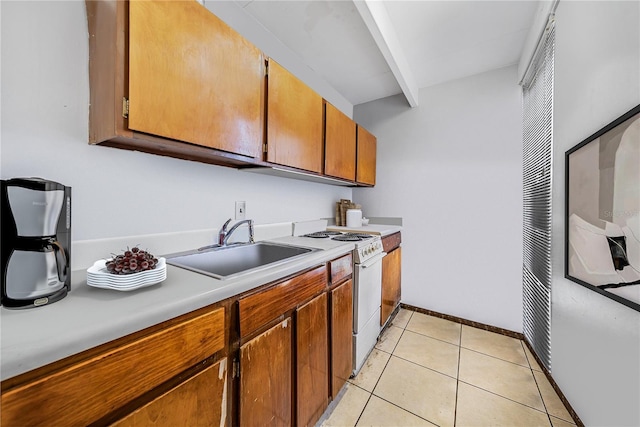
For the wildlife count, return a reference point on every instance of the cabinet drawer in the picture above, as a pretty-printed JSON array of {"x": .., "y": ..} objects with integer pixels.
[
  {"x": 258, "y": 309},
  {"x": 391, "y": 242},
  {"x": 93, "y": 387},
  {"x": 341, "y": 268}
]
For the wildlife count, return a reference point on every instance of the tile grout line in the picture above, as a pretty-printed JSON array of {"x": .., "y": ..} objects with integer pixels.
[
  {"x": 381, "y": 373},
  {"x": 404, "y": 329},
  {"x": 504, "y": 397},
  {"x": 363, "y": 409},
  {"x": 391, "y": 354},
  {"x": 494, "y": 393},
  {"x": 537, "y": 386},
  {"x": 371, "y": 392},
  {"x": 425, "y": 367},
  {"x": 417, "y": 364},
  {"x": 460, "y": 347},
  {"x": 498, "y": 358},
  {"x": 455, "y": 406},
  {"x": 433, "y": 338},
  {"x": 405, "y": 409},
  {"x": 533, "y": 371}
]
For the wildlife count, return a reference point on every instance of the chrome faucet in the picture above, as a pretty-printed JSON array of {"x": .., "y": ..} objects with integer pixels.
[{"x": 224, "y": 234}]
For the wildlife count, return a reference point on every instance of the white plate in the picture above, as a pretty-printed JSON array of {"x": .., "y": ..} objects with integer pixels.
[
  {"x": 124, "y": 280},
  {"x": 99, "y": 277},
  {"x": 99, "y": 269},
  {"x": 125, "y": 289},
  {"x": 126, "y": 285}
]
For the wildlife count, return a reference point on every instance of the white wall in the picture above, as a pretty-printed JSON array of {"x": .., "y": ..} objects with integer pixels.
[
  {"x": 452, "y": 168},
  {"x": 45, "y": 96},
  {"x": 595, "y": 341}
]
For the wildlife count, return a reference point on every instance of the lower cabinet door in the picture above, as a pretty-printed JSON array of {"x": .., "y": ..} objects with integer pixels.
[
  {"x": 391, "y": 279},
  {"x": 341, "y": 336},
  {"x": 199, "y": 401},
  {"x": 312, "y": 360},
  {"x": 265, "y": 378}
]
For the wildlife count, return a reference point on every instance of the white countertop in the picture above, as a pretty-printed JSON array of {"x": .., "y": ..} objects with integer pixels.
[
  {"x": 379, "y": 229},
  {"x": 88, "y": 317}
]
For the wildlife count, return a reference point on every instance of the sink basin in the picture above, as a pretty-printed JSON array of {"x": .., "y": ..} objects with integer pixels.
[{"x": 223, "y": 262}]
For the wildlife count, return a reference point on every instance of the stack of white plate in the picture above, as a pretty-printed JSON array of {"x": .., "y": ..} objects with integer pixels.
[{"x": 99, "y": 277}]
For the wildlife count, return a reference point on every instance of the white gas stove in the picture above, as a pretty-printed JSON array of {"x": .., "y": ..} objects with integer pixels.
[
  {"x": 366, "y": 245},
  {"x": 367, "y": 289}
]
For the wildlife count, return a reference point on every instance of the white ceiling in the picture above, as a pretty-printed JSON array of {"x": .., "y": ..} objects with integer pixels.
[{"x": 438, "y": 40}]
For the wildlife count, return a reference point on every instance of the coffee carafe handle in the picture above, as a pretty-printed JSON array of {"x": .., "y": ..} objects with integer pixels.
[{"x": 61, "y": 260}]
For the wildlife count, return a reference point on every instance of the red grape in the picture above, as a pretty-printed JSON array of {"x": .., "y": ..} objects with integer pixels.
[{"x": 133, "y": 260}]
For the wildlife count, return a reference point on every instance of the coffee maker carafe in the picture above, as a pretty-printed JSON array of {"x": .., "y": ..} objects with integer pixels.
[{"x": 36, "y": 242}]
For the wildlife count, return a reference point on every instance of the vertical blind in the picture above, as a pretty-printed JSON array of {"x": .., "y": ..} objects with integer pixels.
[{"x": 537, "y": 184}]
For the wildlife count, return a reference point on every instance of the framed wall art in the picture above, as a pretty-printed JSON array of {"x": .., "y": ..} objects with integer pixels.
[{"x": 602, "y": 223}]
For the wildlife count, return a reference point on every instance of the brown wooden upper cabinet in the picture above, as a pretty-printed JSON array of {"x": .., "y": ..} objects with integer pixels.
[
  {"x": 366, "y": 164},
  {"x": 171, "y": 78},
  {"x": 294, "y": 121},
  {"x": 187, "y": 77},
  {"x": 340, "y": 144}
]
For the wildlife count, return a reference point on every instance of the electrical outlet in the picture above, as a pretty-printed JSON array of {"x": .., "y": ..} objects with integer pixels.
[{"x": 241, "y": 210}]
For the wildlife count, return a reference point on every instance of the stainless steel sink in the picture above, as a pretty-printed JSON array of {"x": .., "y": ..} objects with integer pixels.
[{"x": 226, "y": 261}]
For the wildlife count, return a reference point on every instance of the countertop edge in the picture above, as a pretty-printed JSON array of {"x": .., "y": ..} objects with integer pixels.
[{"x": 122, "y": 313}]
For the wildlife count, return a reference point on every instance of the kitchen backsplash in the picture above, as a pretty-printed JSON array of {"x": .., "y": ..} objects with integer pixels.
[{"x": 86, "y": 252}]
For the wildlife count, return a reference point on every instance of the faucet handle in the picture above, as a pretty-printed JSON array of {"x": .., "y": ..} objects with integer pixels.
[{"x": 222, "y": 234}]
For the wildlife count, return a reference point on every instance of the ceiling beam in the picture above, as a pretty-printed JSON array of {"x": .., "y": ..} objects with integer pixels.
[{"x": 377, "y": 20}]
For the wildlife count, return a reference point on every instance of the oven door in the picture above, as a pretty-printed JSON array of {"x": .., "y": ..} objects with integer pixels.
[{"x": 367, "y": 293}]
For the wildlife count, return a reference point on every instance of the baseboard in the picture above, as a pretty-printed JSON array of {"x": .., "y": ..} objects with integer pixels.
[{"x": 507, "y": 332}]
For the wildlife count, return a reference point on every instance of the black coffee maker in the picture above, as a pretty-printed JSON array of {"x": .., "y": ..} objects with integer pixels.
[{"x": 36, "y": 242}]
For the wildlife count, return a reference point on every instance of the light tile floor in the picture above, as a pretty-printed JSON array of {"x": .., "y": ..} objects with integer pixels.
[{"x": 428, "y": 371}]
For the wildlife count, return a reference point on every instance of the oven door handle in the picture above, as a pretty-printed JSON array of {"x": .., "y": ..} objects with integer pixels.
[{"x": 370, "y": 262}]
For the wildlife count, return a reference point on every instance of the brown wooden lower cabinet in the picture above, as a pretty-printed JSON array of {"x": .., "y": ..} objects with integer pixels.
[
  {"x": 312, "y": 364},
  {"x": 271, "y": 357},
  {"x": 341, "y": 336},
  {"x": 391, "y": 279},
  {"x": 284, "y": 371},
  {"x": 265, "y": 378},
  {"x": 199, "y": 401},
  {"x": 89, "y": 386}
]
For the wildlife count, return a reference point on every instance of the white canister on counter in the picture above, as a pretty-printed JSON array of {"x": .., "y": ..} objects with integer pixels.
[{"x": 354, "y": 218}]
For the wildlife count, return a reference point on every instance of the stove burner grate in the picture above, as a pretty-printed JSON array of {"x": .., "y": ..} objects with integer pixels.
[
  {"x": 352, "y": 237},
  {"x": 322, "y": 234}
]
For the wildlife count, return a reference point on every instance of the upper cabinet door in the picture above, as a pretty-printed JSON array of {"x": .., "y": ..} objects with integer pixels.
[
  {"x": 366, "y": 170},
  {"x": 340, "y": 144},
  {"x": 294, "y": 122},
  {"x": 192, "y": 78}
]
